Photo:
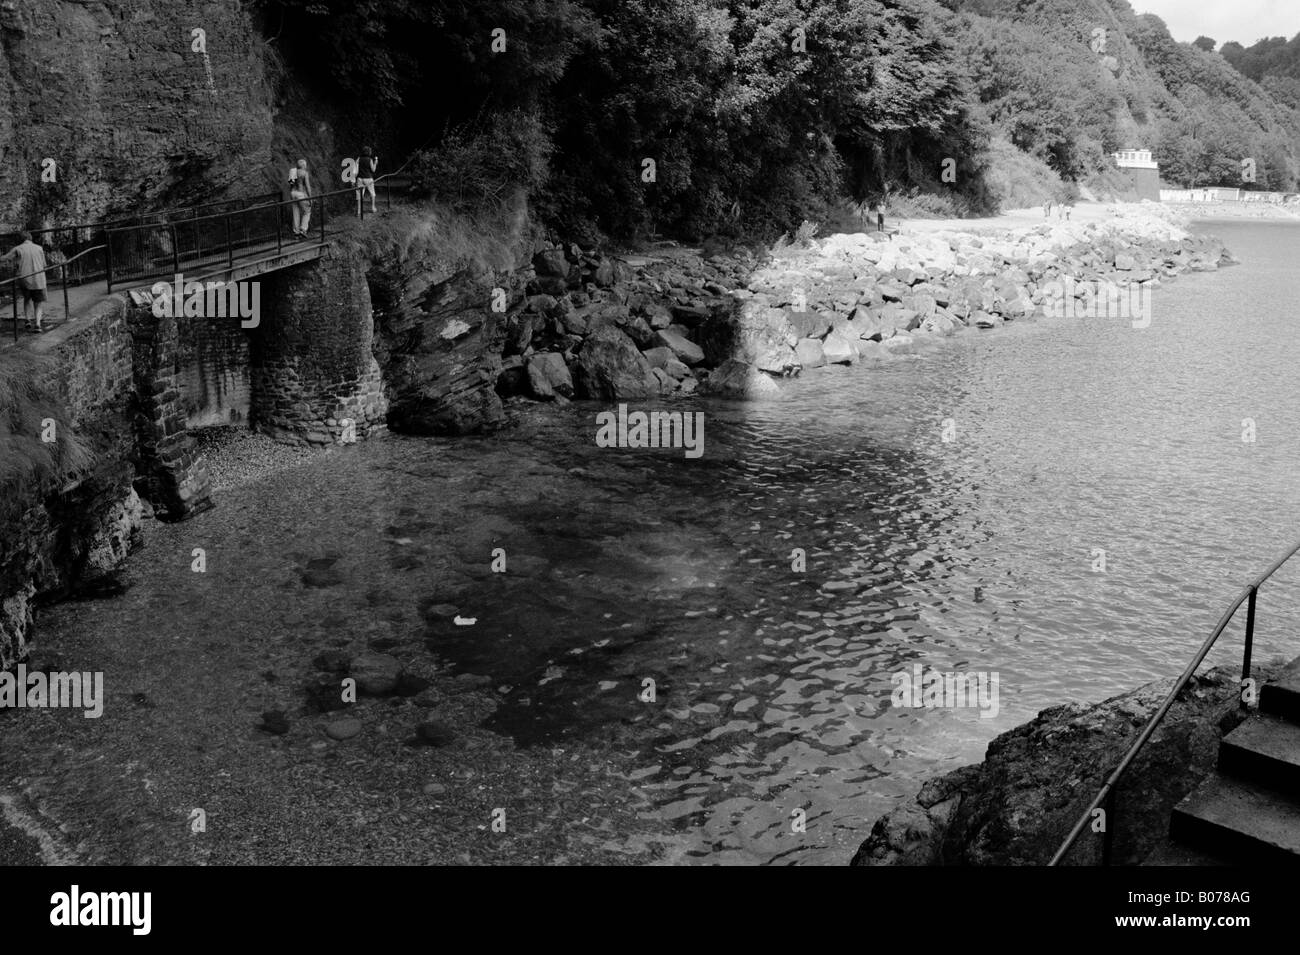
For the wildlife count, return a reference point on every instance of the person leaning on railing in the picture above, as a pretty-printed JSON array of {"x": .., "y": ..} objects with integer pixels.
[{"x": 31, "y": 266}]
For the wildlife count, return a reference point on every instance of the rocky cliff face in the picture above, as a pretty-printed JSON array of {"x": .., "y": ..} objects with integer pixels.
[
  {"x": 133, "y": 116},
  {"x": 551, "y": 323},
  {"x": 64, "y": 532}
]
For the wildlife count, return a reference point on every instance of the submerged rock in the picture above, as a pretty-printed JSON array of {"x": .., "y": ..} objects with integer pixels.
[
  {"x": 736, "y": 379},
  {"x": 343, "y": 729},
  {"x": 376, "y": 673}
]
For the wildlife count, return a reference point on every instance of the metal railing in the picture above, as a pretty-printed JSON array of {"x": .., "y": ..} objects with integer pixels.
[
  {"x": 1105, "y": 798},
  {"x": 147, "y": 250},
  {"x": 201, "y": 240},
  {"x": 62, "y": 266},
  {"x": 156, "y": 243}
]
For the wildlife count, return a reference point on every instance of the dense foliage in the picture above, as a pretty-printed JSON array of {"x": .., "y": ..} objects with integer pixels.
[{"x": 690, "y": 117}]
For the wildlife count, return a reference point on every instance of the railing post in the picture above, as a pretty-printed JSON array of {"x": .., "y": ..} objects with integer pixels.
[
  {"x": 1108, "y": 834},
  {"x": 176, "y": 256},
  {"x": 322, "y": 218},
  {"x": 279, "y": 229},
  {"x": 230, "y": 246},
  {"x": 108, "y": 257},
  {"x": 67, "y": 312},
  {"x": 1250, "y": 639},
  {"x": 14, "y": 289}
]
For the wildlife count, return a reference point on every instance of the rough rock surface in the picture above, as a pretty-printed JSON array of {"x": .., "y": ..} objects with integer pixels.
[
  {"x": 611, "y": 368},
  {"x": 736, "y": 379},
  {"x": 1017, "y": 806}
]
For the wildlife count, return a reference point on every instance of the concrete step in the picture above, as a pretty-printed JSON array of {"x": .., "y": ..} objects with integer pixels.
[
  {"x": 1239, "y": 820},
  {"x": 1174, "y": 853},
  {"x": 1281, "y": 695},
  {"x": 1264, "y": 749}
]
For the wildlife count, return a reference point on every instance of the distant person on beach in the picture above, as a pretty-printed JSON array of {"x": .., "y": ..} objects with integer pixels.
[
  {"x": 1047, "y": 210},
  {"x": 366, "y": 167},
  {"x": 31, "y": 278},
  {"x": 880, "y": 216},
  {"x": 300, "y": 190}
]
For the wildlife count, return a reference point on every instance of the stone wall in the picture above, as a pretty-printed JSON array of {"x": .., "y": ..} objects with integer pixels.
[
  {"x": 214, "y": 380},
  {"x": 132, "y": 115},
  {"x": 170, "y": 470},
  {"x": 314, "y": 378}
]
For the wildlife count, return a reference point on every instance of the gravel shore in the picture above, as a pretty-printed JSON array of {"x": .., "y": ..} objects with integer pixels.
[{"x": 236, "y": 456}]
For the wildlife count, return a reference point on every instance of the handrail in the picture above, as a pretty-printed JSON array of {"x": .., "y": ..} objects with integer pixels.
[
  {"x": 247, "y": 209},
  {"x": 106, "y": 223},
  {"x": 117, "y": 227},
  {"x": 57, "y": 265},
  {"x": 1106, "y": 794}
]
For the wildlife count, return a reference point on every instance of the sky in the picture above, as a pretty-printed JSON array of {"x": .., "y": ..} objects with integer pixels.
[{"x": 1242, "y": 20}]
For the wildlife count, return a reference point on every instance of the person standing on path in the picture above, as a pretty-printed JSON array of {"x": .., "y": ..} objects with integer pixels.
[
  {"x": 31, "y": 278},
  {"x": 366, "y": 167},
  {"x": 300, "y": 190}
]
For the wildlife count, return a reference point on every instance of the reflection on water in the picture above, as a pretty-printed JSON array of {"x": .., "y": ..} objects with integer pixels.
[{"x": 772, "y": 685}]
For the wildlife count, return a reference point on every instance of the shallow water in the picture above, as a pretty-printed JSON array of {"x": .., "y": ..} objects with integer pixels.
[{"x": 773, "y": 688}]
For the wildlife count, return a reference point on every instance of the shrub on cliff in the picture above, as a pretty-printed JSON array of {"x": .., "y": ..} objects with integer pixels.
[
  {"x": 30, "y": 411},
  {"x": 480, "y": 165}
]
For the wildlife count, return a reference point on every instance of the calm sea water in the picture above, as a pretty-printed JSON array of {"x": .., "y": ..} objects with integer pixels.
[{"x": 773, "y": 688}]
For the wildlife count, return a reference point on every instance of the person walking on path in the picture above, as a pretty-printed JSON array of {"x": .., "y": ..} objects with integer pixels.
[
  {"x": 300, "y": 190},
  {"x": 31, "y": 278},
  {"x": 366, "y": 167}
]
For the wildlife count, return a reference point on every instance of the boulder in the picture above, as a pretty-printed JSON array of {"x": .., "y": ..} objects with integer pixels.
[
  {"x": 659, "y": 357},
  {"x": 603, "y": 274},
  {"x": 637, "y": 330},
  {"x": 740, "y": 380},
  {"x": 690, "y": 315},
  {"x": 676, "y": 369},
  {"x": 939, "y": 324},
  {"x": 551, "y": 263},
  {"x": 548, "y": 376},
  {"x": 898, "y": 345},
  {"x": 752, "y": 332},
  {"x": 809, "y": 324},
  {"x": 667, "y": 383},
  {"x": 519, "y": 331},
  {"x": 808, "y": 353},
  {"x": 576, "y": 322},
  {"x": 838, "y": 349},
  {"x": 873, "y": 322},
  {"x": 684, "y": 350},
  {"x": 610, "y": 368},
  {"x": 658, "y": 316}
]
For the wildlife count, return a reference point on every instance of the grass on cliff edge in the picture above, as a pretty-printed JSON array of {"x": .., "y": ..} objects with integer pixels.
[
  {"x": 497, "y": 237},
  {"x": 30, "y": 466}
]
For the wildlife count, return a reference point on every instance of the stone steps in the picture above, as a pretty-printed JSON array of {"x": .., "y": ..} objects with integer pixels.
[
  {"x": 1248, "y": 810},
  {"x": 1239, "y": 820},
  {"x": 1281, "y": 696}
]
